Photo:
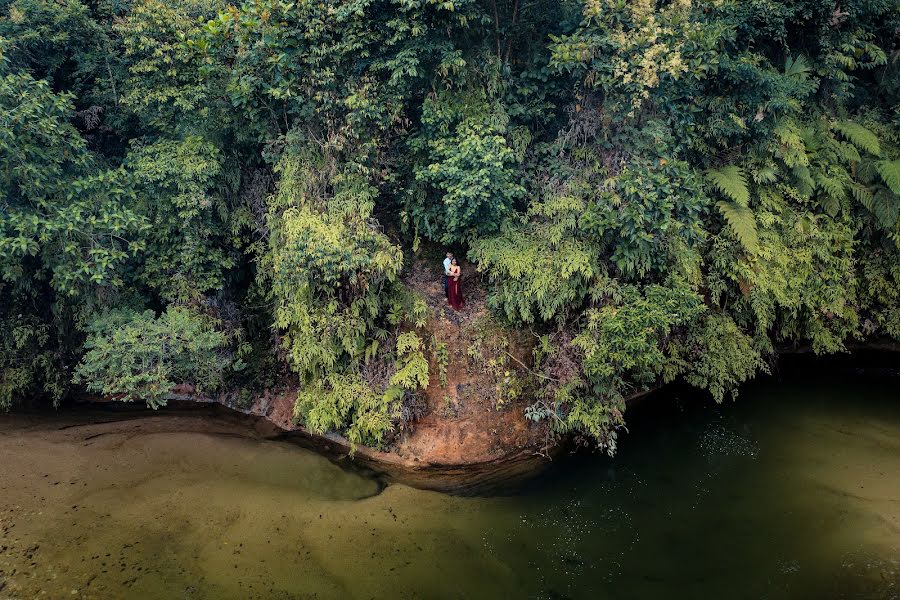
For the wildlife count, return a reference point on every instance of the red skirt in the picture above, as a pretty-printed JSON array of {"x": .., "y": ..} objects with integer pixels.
[{"x": 454, "y": 294}]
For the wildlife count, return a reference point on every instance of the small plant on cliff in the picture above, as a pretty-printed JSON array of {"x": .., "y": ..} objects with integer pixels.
[
  {"x": 489, "y": 353},
  {"x": 244, "y": 399},
  {"x": 538, "y": 412},
  {"x": 509, "y": 387},
  {"x": 442, "y": 358},
  {"x": 450, "y": 411}
]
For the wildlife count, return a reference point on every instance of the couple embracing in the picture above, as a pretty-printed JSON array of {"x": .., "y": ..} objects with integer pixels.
[{"x": 451, "y": 282}]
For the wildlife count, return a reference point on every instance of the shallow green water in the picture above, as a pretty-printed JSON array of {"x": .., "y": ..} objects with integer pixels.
[{"x": 792, "y": 492}]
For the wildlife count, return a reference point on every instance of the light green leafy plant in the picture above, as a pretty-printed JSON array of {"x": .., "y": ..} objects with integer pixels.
[{"x": 139, "y": 356}]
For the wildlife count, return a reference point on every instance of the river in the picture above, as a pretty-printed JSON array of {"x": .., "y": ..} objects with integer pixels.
[{"x": 792, "y": 492}]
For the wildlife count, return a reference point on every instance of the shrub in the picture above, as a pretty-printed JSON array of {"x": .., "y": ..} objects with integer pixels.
[{"x": 139, "y": 356}]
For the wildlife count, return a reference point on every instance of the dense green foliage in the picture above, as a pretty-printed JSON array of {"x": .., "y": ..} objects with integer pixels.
[
  {"x": 141, "y": 356},
  {"x": 658, "y": 190}
]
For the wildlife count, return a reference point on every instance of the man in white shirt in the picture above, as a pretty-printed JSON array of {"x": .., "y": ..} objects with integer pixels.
[{"x": 447, "y": 262}]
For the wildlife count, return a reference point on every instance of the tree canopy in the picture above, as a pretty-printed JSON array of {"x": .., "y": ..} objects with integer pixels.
[{"x": 205, "y": 192}]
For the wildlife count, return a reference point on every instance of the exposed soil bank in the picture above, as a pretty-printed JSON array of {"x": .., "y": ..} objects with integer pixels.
[{"x": 479, "y": 473}]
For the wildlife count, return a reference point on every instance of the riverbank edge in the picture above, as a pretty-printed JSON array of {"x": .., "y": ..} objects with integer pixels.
[{"x": 474, "y": 477}]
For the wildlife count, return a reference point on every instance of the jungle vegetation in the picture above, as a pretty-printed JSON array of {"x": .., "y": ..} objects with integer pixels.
[{"x": 220, "y": 194}]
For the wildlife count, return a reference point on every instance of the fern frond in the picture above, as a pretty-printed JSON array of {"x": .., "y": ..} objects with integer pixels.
[
  {"x": 788, "y": 133},
  {"x": 803, "y": 181},
  {"x": 890, "y": 174},
  {"x": 792, "y": 149},
  {"x": 832, "y": 186},
  {"x": 866, "y": 172},
  {"x": 810, "y": 139},
  {"x": 767, "y": 174},
  {"x": 861, "y": 137},
  {"x": 848, "y": 62},
  {"x": 371, "y": 351},
  {"x": 831, "y": 205},
  {"x": 862, "y": 195},
  {"x": 833, "y": 191},
  {"x": 886, "y": 208},
  {"x": 742, "y": 222},
  {"x": 731, "y": 182},
  {"x": 848, "y": 152}
]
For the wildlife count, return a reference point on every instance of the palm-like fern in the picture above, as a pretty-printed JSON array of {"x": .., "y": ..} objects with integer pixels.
[
  {"x": 798, "y": 68},
  {"x": 731, "y": 182},
  {"x": 886, "y": 208},
  {"x": 742, "y": 222},
  {"x": 878, "y": 189},
  {"x": 890, "y": 174},
  {"x": 859, "y": 136},
  {"x": 833, "y": 191}
]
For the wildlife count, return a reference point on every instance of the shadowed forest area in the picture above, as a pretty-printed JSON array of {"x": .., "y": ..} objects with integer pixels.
[{"x": 244, "y": 196}]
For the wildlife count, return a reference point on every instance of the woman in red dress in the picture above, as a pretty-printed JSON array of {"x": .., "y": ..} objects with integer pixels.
[{"x": 454, "y": 292}]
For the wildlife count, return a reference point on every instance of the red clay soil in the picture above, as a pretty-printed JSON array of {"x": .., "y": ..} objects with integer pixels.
[{"x": 461, "y": 424}]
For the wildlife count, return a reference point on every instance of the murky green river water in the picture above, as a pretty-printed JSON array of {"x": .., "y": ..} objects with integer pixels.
[{"x": 792, "y": 492}]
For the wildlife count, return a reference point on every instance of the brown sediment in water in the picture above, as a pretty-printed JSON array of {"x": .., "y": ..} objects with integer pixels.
[
  {"x": 471, "y": 455},
  {"x": 188, "y": 504},
  {"x": 784, "y": 495}
]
